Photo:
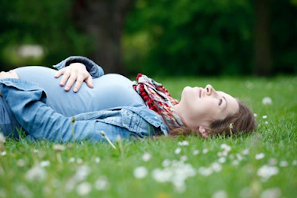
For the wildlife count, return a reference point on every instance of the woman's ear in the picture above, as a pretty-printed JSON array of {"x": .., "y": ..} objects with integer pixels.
[{"x": 203, "y": 131}]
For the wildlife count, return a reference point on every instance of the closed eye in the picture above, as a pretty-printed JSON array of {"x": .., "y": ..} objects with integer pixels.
[{"x": 220, "y": 102}]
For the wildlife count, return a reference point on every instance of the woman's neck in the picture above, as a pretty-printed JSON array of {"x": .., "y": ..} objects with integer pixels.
[
  {"x": 181, "y": 113},
  {"x": 192, "y": 121}
]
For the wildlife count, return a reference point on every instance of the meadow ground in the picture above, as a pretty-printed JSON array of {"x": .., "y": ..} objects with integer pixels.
[{"x": 263, "y": 164}]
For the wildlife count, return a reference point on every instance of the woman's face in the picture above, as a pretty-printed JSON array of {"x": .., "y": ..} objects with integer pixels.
[{"x": 202, "y": 106}]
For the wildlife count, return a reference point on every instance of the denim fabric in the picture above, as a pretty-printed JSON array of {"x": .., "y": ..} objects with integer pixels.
[
  {"x": 110, "y": 91},
  {"x": 27, "y": 102},
  {"x": 9, "y": 126}
]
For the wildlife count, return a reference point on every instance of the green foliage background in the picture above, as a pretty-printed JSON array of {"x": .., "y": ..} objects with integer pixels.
[
  {"x": 47, "y": 23},
  {"x": 190, "y": 37},
  {"x": 182, "y": 37},
  {"x": 207, "y": 37}
]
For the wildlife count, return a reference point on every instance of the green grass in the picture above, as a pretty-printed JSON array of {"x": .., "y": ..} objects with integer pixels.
[{"x": 77, "y": 170}]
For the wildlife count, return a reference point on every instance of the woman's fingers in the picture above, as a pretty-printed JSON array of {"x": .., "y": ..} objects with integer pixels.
[
  {"x": 80, "y": 79},
  {"x": 78, "y": 83},
  {"x": 74, "y": 73},
  {"x": 89, "y": 81},
  {"x": 71, "y": 79},
  {"x": 59, "y": 73},
  {"x": 65, "y": 77}
]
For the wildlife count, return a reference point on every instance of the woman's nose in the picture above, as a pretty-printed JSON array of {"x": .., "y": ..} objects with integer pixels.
[{"x": 209, "y": 89}]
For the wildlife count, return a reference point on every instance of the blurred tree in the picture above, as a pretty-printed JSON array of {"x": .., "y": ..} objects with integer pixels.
[
  {"x": 104, "y": 21},
  {"x": 192, "y": 37},
  {"x": 47, "y": 23},
  {"x": 284, "y": 36},
  {"x": 214, "y": 37},
  {"x": 262, "y": 47},
  {"x": 182, "y": 37}
]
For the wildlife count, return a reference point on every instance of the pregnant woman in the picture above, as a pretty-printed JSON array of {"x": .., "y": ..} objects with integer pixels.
[{"x": 33, "y": 99}]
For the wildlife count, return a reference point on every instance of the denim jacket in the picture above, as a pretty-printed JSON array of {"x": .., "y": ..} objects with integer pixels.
[{"x": 27, "y": 102}]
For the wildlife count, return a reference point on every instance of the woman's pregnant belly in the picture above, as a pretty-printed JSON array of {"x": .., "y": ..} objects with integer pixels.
[{"x": 110, "y": 91}]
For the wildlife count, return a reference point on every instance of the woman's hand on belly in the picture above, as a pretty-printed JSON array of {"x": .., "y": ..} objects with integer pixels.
[
  {"x": 9, "y": 74},
  {"x": 74, "y": 73}
]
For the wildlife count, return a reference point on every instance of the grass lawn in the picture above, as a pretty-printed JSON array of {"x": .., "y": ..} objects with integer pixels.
[{"x": 263, "y": 164}]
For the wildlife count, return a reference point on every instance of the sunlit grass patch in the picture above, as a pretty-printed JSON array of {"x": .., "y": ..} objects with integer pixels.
[{"x": 263, "y": 164}]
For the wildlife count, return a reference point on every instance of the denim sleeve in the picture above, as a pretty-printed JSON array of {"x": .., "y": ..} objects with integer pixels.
[
  {"x": 27, "y": 102},
  {"x": 95, "y": 70}
]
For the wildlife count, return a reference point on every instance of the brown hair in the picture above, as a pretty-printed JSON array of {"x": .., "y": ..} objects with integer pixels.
[{"x": 241, "y": 122}]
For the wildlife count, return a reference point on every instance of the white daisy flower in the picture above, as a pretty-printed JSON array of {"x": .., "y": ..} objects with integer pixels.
[
  {"x": 266, "y": 101},
  {"x": 259, "y": 156},
  {"x": 44, "y": 163},
  {"x": 271, "y": 193},
  {"x": 84, "y": 188},
  {"x": 102, "y": 183},
  {"x": 97, "y": 160},
  {"x": 265, "y": 172},
  {"x": 283, "y": 163},
  {"x": 220, "y": 194},
  {"x": 82, "y": 172},
  {"x": 176, "y": 173},
  {"x": 166, "y": 163},
  {"x": 183, "y": 143},
  {"x": 195, "y": 152},
  {"x": 205, "y": 171},
  {"x": 239, "y": 157},
  {"x": 222, "y": 160},
  {"x": 146, "y": 157},
  {"x": 245, "y": 152},
  {"x": 79, "y": 161},
  {"x": 36, "y": 173},
  {"x": 235, "y": 162},
  {"x": 177, "y": 150},
  {"x": 204, "y": 151},
  {"x": 183, "y": 158},
  {"x": 216, "y": 167},
  {"x": 162, "y": 175},
  {"x": 23, "y": 191},
  {"x": 140, "y": 172}
]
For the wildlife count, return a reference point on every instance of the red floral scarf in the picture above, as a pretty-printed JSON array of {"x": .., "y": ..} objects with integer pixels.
[{"x": 158, "y": 99}]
